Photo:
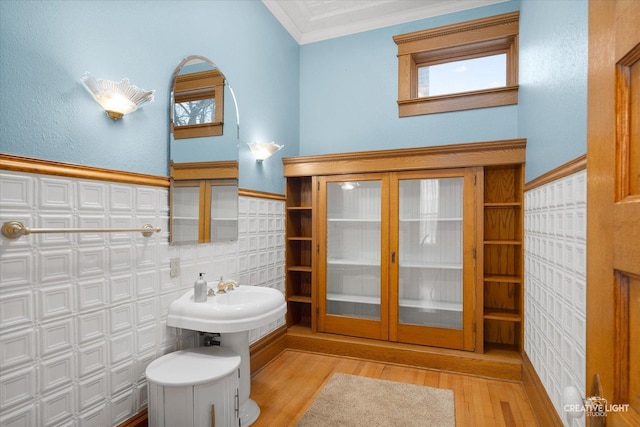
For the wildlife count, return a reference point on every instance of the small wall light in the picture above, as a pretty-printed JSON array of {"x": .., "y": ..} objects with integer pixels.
[
  {"x": 117, "y": 98},
  {"x": 263, "y": 150}
]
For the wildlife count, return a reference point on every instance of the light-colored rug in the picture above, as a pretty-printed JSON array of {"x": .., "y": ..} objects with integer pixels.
[{"x": 353, "y": 401}]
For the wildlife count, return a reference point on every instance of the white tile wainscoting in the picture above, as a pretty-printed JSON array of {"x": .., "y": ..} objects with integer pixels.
[
  {"x": 555, "y": 285},
  {"x": 82, "y": 315}
]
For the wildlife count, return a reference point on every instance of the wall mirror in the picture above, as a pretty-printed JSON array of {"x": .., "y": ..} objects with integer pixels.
[{"x": 203, "y": 154}]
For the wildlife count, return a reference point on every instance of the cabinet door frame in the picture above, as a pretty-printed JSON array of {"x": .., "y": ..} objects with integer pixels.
[
  {"x": 462, "y": 339},
  {"x": 346, "y": 325}
]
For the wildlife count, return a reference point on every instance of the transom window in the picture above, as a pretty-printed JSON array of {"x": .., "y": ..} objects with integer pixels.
[
  {"x": 459, "y": 67},
  {"x": 486, "y": 72}
]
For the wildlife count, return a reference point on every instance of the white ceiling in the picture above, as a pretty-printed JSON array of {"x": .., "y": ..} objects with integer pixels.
[{"x": 310, "y": 21}]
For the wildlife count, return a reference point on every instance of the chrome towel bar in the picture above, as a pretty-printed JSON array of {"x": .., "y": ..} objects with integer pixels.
[{"x": 15, "y": 229}]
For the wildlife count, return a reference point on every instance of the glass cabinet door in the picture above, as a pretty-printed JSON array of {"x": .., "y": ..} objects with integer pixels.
[
  {"x": 396, "y": 256},
  {"x": 354, "y": 277},
  {"x": 223, "y": 208},
  {"x": 185, "y": 215},
  {"x": 429, "y": 269},
  {"x": 430, "y": 241}
]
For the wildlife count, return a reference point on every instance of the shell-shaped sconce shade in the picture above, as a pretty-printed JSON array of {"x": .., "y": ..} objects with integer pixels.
[
  {"x": 263, "y": 150},
  {"x": 117, "y": 98}
]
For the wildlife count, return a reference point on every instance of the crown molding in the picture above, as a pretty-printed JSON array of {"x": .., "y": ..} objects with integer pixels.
[{"x": 306, "y": 28}]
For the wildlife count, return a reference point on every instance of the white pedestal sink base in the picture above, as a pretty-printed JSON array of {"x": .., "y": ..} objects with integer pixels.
[
  {"x": 232, "y": 315},
  {"x": 249, "y": 412},
  {"x": 239, "y": 343}
]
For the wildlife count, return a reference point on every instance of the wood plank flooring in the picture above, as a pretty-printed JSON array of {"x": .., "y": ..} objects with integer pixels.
[{"x": 287, "y": 386}]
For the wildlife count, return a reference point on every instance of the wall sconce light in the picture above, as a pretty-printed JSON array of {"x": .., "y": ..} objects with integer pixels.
[
  {"x": 263, "y": 150},
  {"x": 117, "y": 98}
]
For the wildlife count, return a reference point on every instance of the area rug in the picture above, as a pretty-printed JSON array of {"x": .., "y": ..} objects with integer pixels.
[{"x": 353, "y": 401}]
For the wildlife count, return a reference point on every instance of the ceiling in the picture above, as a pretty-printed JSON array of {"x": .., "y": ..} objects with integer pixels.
[{"x": 310, "y": 21}]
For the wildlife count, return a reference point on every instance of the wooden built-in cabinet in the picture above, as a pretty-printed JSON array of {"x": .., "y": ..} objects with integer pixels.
[{"x": 419, "y": 246}]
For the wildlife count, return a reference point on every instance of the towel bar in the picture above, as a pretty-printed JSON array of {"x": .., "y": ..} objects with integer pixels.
[{"x": 15, "y": 229}]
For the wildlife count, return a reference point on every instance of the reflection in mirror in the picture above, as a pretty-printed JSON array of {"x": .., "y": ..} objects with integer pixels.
[
  {"x": 198, "y": 108},
  {"x": 203, "y": 155}
]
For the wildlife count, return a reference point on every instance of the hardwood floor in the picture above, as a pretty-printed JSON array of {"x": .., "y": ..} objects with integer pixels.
[{"x": 286, "y": 387}]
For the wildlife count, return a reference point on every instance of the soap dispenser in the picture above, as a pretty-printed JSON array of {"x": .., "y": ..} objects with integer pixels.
[{"x": 200, "y": 289}]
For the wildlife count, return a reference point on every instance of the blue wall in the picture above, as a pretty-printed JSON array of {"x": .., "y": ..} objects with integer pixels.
[
  {"x": 349, "y": 89},
  {"x": 552, "y": 110},
  {"x": 47, "y": 46},
  {"x": 327, "y": 97}
]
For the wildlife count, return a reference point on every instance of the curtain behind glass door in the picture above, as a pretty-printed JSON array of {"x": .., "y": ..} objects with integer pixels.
[
  {"x": 353, "y": 249},
  {"x": 430, "y": 252}
]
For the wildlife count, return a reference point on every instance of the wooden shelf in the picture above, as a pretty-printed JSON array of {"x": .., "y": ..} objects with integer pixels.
[
  {"x": 502, "y": 279},
  {"x": 505, "y": 315},
  {"x": 503, "y": 242},
  {"x": 306, "y": 268},
  {"x": 503, "y": 205},
  {"x": 495, "y": 349},
  {"x": 299, "y": 314},
  {"x": 300, "y": 298}
]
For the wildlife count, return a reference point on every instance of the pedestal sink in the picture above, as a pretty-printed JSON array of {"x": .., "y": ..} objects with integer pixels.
[{"x": 232, "y": 314}]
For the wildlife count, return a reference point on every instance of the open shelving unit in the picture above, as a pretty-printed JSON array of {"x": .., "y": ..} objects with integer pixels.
[
  {"x": 299, "y": 251},
  {"x": 503, "y": 257}
]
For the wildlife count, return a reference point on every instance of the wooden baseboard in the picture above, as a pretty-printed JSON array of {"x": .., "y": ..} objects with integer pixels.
[
  {"x": 541, "y": 404},
  {"x": 266, "y": 349},
  {"x": 141, "y": 419},
  {"x": 498, "y": 365}
]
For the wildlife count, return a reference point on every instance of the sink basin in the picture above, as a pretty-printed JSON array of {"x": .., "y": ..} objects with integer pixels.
[{"x": 244, "y": 308}]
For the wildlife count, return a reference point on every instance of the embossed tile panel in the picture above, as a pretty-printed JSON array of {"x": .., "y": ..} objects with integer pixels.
[
  {"x": 82, "y": 315},
  {"x": 555, "y": 284}
]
